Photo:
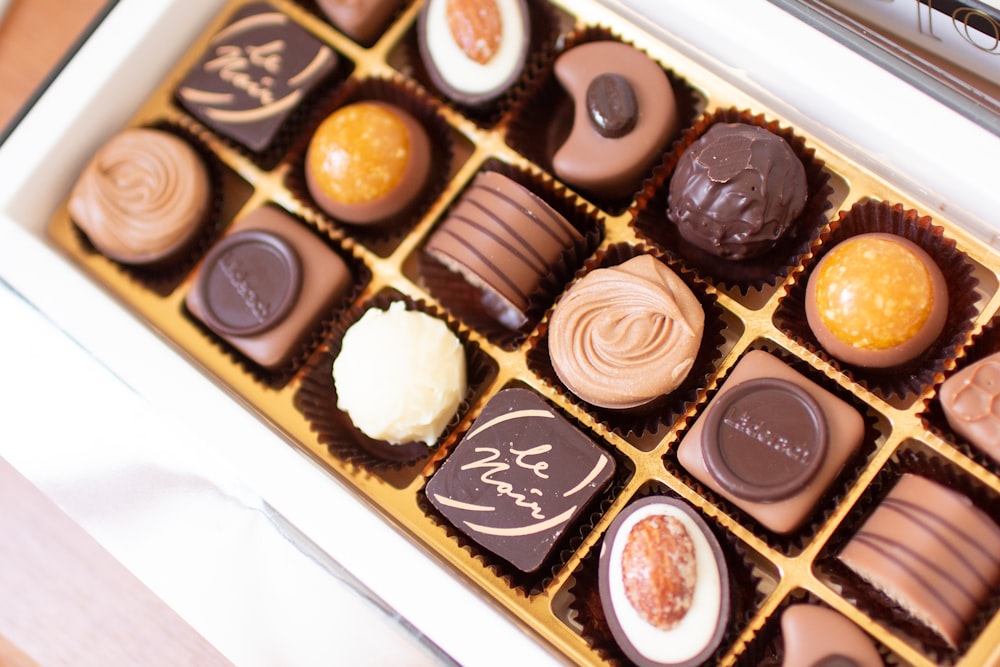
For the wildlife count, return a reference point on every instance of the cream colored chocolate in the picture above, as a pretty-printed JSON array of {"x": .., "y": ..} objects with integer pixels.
[
  {"x": 613, "y": 166},
  {"x": 814, "y": 635},
  {"x": 930, "y": 550},
  {"x": 625, "y": 335},
  {"x": 400, "y": 375},
  {"x": 143, "y": 196},
  {"x": 971, "y": 403}
]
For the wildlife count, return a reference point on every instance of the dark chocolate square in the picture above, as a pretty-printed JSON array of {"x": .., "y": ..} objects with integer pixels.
[
  {"x": 519, "y": 478},
  {"x": 254, "y": 73}
]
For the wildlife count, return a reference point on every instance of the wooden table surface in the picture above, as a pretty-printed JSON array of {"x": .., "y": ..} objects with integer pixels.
[{"x": 34, "y": 36}]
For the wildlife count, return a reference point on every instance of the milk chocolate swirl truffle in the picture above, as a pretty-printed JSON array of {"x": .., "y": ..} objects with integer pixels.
[
  {"x": 625, "y": 335},
  {"x": 817, "y": 636},
  {"x": 367, "y": 162},
  {"x": 971, "y": 403},
  {"x": 664, "y": 585},
  {"x": 736, "y": 191},
  {"x": 623, "y": 113},
  {"x": 503, "y": 239},
  {"x": 474, "y": 50},
  {"x": 876, "y": 300},
  {"x": 930, "y": 550},
  {"x": 142, "y": 198}
]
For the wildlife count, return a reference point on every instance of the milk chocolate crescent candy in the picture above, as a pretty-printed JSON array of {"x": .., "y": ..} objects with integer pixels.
[
  {"x": 624, "y": 335},
  {"x": 624, "y": 112}
]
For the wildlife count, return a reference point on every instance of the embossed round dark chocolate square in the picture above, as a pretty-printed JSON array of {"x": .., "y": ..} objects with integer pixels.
[{"x": 519, "y": 478}]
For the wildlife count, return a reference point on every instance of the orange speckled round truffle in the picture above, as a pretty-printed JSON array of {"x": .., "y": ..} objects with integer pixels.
[
  {"x": 367, "y": 162},
  {"x": 876, "y": 300}
]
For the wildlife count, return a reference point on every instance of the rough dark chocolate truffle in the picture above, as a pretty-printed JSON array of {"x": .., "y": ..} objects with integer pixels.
[
  {"x": 736, "y": 191},
  {"x": 253, "y": 74},
  {"x": 519, "y": 478}
]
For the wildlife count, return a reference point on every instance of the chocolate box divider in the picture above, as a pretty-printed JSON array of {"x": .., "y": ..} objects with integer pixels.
[{"x": 397, "y": 504}]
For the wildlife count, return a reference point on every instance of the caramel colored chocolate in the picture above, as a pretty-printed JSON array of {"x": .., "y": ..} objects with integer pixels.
[
  {"x": 255, "y": 72},
  {"x": 361, "y": 20},
  {"x": 933, "y": 552},
  {"x": 663, "y": 583},
  {"x": 474, "y": 50},
  {"x": 736, "y": 190},
  {"x": 876, "y": 300},
  {"x": 971, "y": 403},
  {"x": 820, "y": 637},
  {"x": 504, "y": 239},
  {"x": 613, "y": 166},
  {"x": 622, "y": 336},
  {"x": 367, "y": 162},
  {"x": 782, "y": 447},
  {"x": 142, "y": 198},
  {"x": 267, "y": 285},
  {"x": 519, "y": 478}
]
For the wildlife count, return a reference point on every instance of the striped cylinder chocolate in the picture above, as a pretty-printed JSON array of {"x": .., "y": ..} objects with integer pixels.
[
  {"x": 502, "y": 239},
  {"x": 932, "y": 551}
]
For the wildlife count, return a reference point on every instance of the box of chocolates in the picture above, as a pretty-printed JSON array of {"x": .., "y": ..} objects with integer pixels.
[{"x": 662, "y": 375}]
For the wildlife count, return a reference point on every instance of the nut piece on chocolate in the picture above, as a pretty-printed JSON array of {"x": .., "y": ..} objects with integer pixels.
[
  {"x": 519, "y": 478},
  {"x": 253, "y": 74},
  {"x": 736, "y": 191},
  {"x": 663, "y": 584},
  {"x": 814, "y": 635},
  {"x": 502, "y": 238},
  {"x": 771, "y": 441},
  {"x": 474, "y": 50},
  {"x": 266, "y": 285},
  {"x": 933, "y": 552},
  {"x": 971, "y": 403}
]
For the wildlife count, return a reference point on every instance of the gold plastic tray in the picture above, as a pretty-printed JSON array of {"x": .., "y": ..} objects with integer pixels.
[{"x": 778, "y": 573}]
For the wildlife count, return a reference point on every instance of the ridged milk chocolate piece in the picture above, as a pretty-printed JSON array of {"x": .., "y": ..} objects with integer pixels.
[
  {"x": 254, "y": 73},
  {"x": 503, "y": 239},
  {"x": 933, "y": 552},
  {"x": 519, "y": 478}
]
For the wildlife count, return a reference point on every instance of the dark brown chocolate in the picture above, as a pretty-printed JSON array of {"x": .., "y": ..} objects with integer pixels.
[
  {"x": 254, "y": 73},
  {"x": 820, "y": 637},
  {"x": 761, "y": 453},
  {"x": 664, "y": 584},
  {"x": 931, "y": 551},
  {"x": 971, "y": 403},
  {"x": 612, "y": 105},
  {"x": 267, "y": 285},
  {"x": 798, "y": 484},
  {"x": 474, "y": 50},
  {"x": 519, "y": 478},
  {"x": 503, "y": 239},
  {"x": 736, "y": 191}
]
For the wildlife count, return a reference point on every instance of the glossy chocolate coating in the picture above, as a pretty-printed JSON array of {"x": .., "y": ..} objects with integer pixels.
[
  {"x": 757, "y": 452},
  {"x": 267, "y": 285},
  {"x": 519, "y": 478},
  {"x": 933, "y": 552},
  {"x": 613, "y": 166},
  {"x": 820, "y": 637},
  {"x": 845, "y": 434},
  {"x": 876, "y": 300},
  {"x": 142, "y": 198},
  {"x": 254, "y": 73},
  {"x": 474, "y": 50},
  {"x": 665, "y": 531},
  {"x": 624, "y": 335},
  {"x": 504, "y": 239},
  {"x": 612, "y": 105},
  {"x": 971, "y": 403},
  {"x": 367, "y": 162},
  {"x": 736, "y": 190},
  {"x": 361, "y": 20}
]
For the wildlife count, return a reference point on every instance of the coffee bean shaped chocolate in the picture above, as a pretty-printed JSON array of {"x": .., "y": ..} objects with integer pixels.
[{"x": 612, "y": 105}]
